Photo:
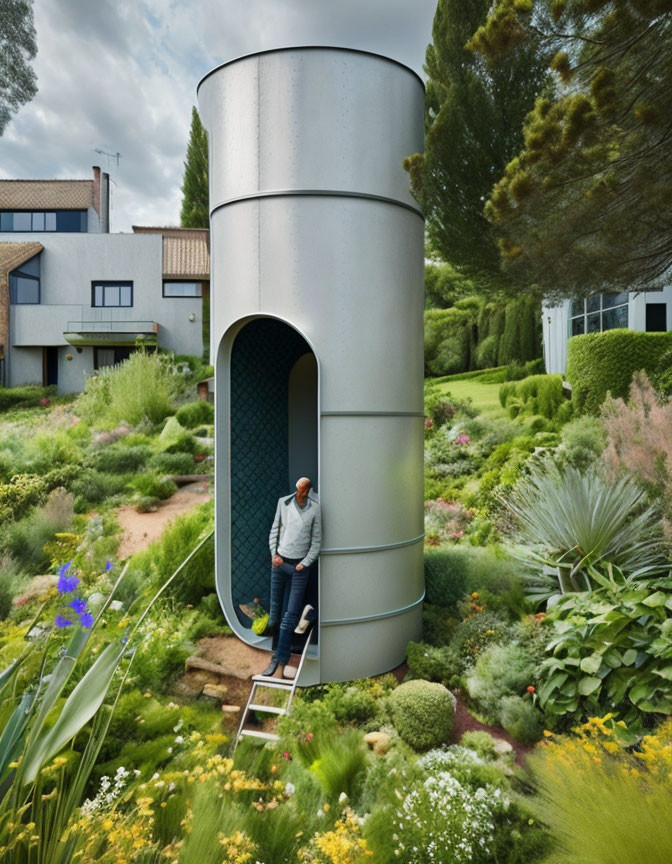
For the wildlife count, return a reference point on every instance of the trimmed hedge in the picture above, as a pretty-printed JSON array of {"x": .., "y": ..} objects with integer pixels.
[
  {"x": 603, "y": 362},
  {"x": 536, "y": 394},
  {"x": 423, "y": 713}
]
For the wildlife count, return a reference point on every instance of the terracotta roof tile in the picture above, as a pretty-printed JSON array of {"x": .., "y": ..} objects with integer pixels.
[
  {"x": 186, "y": 257},
  {"x": 13, "y": 254},
  {"x": 46, "y": 194}
]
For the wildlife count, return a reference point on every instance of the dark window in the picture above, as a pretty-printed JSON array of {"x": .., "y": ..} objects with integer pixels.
[
  {"x": 182, "y": 289},
  {"x": 110, "y": 356},
  {"x": 24, "y": 282},
  {"x": 597, "y": 313},
  {"x": 50, "y": 365},
  {"x": 111, "y": 293},
  {"x": 656, "y": 317},
  {"x": 67, "y": 221}
]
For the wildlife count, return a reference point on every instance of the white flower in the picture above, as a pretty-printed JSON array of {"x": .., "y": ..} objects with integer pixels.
[
  {"x": 290, "y": 789},
  {"x": 342, "y": 797},
  {"x": 156, "y": 775},
  {"x": 179, "y": 739}
]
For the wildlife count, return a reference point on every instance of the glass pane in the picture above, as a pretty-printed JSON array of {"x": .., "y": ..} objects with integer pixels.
[
  {"x": 97, "y": 295},
  {"x": 69, "y": 220},
  {"x": 577, "y": 326},
  {"x": 31, "y": 267},
  {"x": 577, "y": 307},
  {"x": 593, "y": 303},
  {"x": 83, "y": 221},
  {"x": 49, "y": 221},
  {"x": 111, "y": 295},
  {"x": 38, "y": 221},
  {"x": 125, "y": 295},
  {"x": 22, "y": 221},
  {"x": 181, "y": 289},
  {"x": 610, "y": 300},
  {"x": 593, "y": 323},
  {"x": 105, "y": 357},
  {"x": 613, "y": 318},
  {"x": 27, "y": 290},
  {"x": 6, "y": 221}
]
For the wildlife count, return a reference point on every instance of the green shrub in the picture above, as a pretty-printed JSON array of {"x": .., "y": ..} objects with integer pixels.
[
  {"x": 21, "y": 493},
  {"x": 476, "y": 633},
  {"x": 174, "y": 438},
  {"x": 10, "y": 583},
  {"x": 120, "y": 458},
  {"x": 430, "y": 663},
  {"x": 152, "y": 486},
  {"x": 661, "y": 377},
  {"x": 94, "y": 487},
  {"x": 482, "y": 743},
  {"x": 423, "y": 713},
  {"x": 196, "y": 413},
  {"x": 453, "y": 571},
  {"x": 602, "y": 362},
  {"x": 438, "y": 624},
  {"x": 521, "y": 719},
  {"x": 172, "y": 463},
  {"x": 447, "y": 340},
  {"x": 486, "y": 353},
  {"x": 141, "y": 389},
  {"x": 27, "y": 396},
  {"x": 501, "y": 670},
  {"x": 24, "y": 539},
  {"x": 536, "y": 394},
  {"x": 583, "y": 440}
]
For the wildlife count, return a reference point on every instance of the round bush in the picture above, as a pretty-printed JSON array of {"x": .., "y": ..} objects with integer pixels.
[
  {"x": 423, "y": 713},
  {"x": 196, "y": 413}
]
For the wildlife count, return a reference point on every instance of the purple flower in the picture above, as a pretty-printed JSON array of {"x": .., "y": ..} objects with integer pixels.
[
  {"x": 78, "y": 605},
  {"x": 462, "y": 438},
  {"x": 62, "y": 621},
  {"x": 109, "y": 565},
  {"x": 86, "y": 619},
  {"x": 67, "y": 584},
  {"x": 64, "y": 569}
]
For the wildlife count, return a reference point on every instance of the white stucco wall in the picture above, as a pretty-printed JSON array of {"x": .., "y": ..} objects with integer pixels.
[{"x": 69, "y": 264}]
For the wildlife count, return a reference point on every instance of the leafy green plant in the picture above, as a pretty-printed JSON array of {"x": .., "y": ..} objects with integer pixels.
[
  {"x": 583, "y": 440},
  {"x": 152, "y": 485},
  {"x": 430, "y": 663},
  {"x": 610, "y": 651},
  {"x": 120, "y": 458},
  {"x": 423, "y": 713},
  {"x": 521, "y": 719},
  {"x": 196, "y": 413},
  {"x": 570, "y": 520},
  {"x": 501, "y": 670}
]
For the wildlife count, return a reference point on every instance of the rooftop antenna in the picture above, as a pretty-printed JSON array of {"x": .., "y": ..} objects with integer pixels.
[{"x": 116, "y": 156}]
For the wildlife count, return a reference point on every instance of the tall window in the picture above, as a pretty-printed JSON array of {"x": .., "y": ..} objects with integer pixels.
[
  {"x": 68, "y": 221},
  {"x": 111, "y": 293},
  {"x": 24, "y": 282},
  {"x": 597, "y": 313},
  {"x": 182, "y": 289}
]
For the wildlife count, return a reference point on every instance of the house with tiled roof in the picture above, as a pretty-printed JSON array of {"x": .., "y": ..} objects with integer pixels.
[{"x": 75, "y": 297}]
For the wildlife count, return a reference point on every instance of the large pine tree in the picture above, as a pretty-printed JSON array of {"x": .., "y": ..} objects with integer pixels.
[
  {"x": 194, "y": 213},
  {"x": 473, "y": 119}
]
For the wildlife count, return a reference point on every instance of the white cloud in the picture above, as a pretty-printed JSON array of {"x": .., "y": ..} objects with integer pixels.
[{"x": 121, "y": 75}]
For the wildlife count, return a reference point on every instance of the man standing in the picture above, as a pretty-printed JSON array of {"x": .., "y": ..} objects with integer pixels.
[{"x": 294, "y": 542}]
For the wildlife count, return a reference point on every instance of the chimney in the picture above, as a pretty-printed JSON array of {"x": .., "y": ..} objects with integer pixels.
[{"x": 101, "y": 198}]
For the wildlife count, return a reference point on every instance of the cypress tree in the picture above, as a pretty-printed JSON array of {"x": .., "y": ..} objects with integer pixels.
[{"x": 195, "y": 211}]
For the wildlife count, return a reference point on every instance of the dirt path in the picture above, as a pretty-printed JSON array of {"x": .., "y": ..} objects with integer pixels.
[{"x": 138, "y": 530}]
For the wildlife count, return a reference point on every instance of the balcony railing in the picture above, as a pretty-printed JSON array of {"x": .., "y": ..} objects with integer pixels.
[{"x": 113, "y": 327}]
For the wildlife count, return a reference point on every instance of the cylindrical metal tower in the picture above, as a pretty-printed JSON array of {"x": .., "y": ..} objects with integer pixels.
[{"x": 316, "y": 329}]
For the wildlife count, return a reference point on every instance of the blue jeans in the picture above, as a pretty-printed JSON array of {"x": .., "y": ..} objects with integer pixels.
[{"x": 281, "y": 577}]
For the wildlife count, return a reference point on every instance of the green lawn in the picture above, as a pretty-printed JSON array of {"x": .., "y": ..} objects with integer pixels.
[{"x": 485, "y": 397}]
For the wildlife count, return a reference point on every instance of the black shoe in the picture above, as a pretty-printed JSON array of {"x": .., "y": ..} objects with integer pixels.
[{"x": 272, "y": 666}]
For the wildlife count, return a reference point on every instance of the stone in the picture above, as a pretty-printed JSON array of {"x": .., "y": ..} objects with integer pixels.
[
  {"x": 231, "y": 709},
  {"x": 380, "y": 742},
  {"x": 204, "y": 665},
  {"x": 116, "y": 605},
  {"x": 96, "y": 599},
  {"x": 501, "y": 747},
  {"x": 215, "y": 691}
]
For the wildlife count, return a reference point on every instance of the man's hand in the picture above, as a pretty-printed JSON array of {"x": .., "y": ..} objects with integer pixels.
[
  {"x": 299, "y": 567},
  {"x": 276, "y": 560}
]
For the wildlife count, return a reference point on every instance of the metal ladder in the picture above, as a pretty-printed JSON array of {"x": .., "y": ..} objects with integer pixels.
[{"x": 268, "y": 682}]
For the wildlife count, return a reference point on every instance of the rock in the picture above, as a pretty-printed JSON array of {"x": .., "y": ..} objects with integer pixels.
[
  {"x": 96, "y": 599},
  {"x": 35, "y": 633},
  {"x": 231, "y": 709},
  {"x": 501, "y": 747},
  {"x": 215, "y": 691},
  {"x": 116, "y": 605},
  {"x": 379, "y": 741},
  {"x": 204, "y": 665}
]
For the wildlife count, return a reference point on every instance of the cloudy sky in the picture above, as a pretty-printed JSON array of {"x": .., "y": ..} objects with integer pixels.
[{"x": 121, "y": 76}]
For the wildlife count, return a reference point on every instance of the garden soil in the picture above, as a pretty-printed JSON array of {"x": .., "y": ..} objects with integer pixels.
[{"x": 141, "y": 529}]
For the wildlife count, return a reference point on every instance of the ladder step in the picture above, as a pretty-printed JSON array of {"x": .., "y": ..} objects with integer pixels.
[
  {"x": 267, "y": 681},
  {"x": 252, "y": 733},
  {"x": 270, "y": 709}
]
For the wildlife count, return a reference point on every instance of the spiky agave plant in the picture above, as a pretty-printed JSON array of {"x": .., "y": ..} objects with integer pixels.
[{"x": 569, "y": 523}]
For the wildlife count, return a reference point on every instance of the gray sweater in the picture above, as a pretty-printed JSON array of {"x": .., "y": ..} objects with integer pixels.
[{"x": 296, "y": 531}]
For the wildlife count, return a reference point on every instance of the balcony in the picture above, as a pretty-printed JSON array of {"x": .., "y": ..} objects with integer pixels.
[{"x": 101, "y": 333}]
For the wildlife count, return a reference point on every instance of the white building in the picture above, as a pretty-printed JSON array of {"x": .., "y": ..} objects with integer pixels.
[
  {"x": 648, "y": 311},
  {"x": 74, "y": 297}
]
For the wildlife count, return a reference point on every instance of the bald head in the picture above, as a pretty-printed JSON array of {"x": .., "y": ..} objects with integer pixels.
[{"x": 303, "y": 485}]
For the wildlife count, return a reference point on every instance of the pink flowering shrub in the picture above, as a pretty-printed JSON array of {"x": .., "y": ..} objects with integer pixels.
[
  {"x": 445, "y": 521},
  {"x": 639, "y": 441}
]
